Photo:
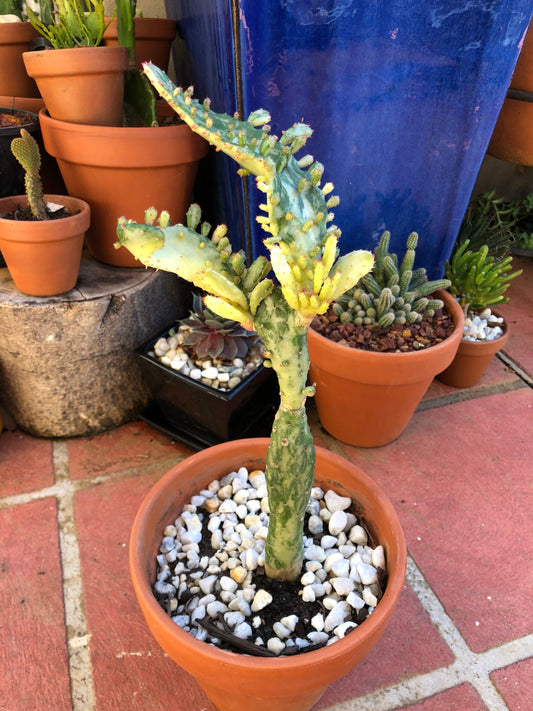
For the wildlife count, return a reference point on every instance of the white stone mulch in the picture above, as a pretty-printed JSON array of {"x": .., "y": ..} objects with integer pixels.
[
  {"x": 210, "y": 565},
  {"x": 484, "y": 326},
  {"x": 215, "y": 373}
]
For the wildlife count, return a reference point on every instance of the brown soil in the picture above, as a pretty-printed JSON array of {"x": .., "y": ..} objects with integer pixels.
[
  {"x": 24, "y": 214},
  {"x": 395, "y": 339}
]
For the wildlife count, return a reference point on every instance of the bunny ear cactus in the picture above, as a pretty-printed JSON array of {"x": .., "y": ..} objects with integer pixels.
[
  {"x": 26, "y": 151},
  {"x": 303, "y": 257}
]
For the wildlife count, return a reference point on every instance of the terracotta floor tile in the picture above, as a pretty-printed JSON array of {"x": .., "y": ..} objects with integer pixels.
[
  {"x": 514, "y": 684},
  {"x": 130, "y": 670},
  {"x": 460, "y": 698},
  {"x": 519, "y": 312},
  {"x": 496, "y": 374},
  {"x": 410, "y": 645},
  {"x": 466, "y": 510},
  {"x": 133, "y": 445},
  {"x": 25, "y": 463},
  {"x": 33, "y": 649}
]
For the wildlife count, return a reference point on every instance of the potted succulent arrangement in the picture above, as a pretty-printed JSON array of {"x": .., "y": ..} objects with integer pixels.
[
  {"x": 79, "y": 80},
  {"x": 376, "y": 350},
  {"x": 117, "y": 169},
  {"x": 309, "y": 273},
  {"x": 207, "y": 380},
  {"x": 41, "y": 236},
  {"x": 478, "y": 281}
]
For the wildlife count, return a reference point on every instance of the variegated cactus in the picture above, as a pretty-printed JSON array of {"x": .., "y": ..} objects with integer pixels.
[{"x": 309, "y": 274}]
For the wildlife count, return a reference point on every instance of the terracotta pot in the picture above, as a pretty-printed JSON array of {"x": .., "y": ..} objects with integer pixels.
[
  {"x": 121, "y": 172},
  {"x": 472, "y": 360},
  {"x": 82, "y": 84},
  {"x": 153, "y": 39},
  {"x": 236, "y": 682},
  {"x": 512, "y": 138},
  {"x": 44, "y": 257},
  {"x": 15, "y": 38},
  {"x": 22, "y": 103},
  {"x": 367, "y": 399}
]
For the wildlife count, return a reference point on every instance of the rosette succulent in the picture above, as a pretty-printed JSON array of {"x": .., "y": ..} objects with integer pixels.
[
  {"x": 212, "y": 336},
  {"x": 307, "y": 275}
]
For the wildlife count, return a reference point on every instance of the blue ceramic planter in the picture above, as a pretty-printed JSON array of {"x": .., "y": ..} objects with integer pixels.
[{"x": 402, "y": 96}]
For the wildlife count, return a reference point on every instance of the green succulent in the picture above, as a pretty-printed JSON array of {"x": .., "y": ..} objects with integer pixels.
[
  {"x": 26, "y": 151},
  {"x": 212, "y": 336},
  {"x": 478, "y": 279},
  {"x": 391, "y": 294},
  {"x": 71, "y": 23}
]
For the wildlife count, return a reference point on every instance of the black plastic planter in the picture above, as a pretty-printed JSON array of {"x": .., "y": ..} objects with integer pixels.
[{"x": 201, "y": 416}]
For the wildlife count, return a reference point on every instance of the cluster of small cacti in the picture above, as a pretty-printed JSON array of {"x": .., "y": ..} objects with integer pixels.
[
  {"x": 303, "y": 257},
  {"x": 392, "y": 294},
  {"x": 211, "y": 336},
  {"x": 477, "y": 278},
  {"x": 26, "y": 151}
]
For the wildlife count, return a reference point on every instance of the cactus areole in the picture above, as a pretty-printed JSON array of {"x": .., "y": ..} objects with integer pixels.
[{"x": 308, "y": 273}]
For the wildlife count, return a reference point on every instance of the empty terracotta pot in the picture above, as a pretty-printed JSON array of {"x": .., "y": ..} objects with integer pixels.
[
  {"x": 238, "y": 682},
  {"x": 153, "y": 39},
  {"x": 15, "y": 39}
]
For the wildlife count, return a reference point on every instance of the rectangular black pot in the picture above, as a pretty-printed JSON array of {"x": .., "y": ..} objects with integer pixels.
[{"x": 201, "y": 416}]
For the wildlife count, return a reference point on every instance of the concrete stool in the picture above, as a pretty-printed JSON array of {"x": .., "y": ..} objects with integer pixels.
[{"x": 66, "y": 362}]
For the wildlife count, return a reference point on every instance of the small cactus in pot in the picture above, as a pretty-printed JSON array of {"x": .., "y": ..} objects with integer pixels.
[{"x": 308, "y": 275}]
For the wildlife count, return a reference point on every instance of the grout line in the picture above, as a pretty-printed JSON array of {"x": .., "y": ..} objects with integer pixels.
[
  {"x": 468, "y": 667},
  {"x": 515, "y": 368},
  {"x": 78, "y": 637},
  {"x": 470, "y": 394}
]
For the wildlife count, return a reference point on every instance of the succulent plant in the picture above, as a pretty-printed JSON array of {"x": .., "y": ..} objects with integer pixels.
[
  {"x": 212, "y": 336},
  {"x": 70, "y": 23},
  {"x": 391, "y": 294},
  {"x": 26, "y": 151},
  {"x": 478, "y": 279},
  {"x": 303, "y": 257}
]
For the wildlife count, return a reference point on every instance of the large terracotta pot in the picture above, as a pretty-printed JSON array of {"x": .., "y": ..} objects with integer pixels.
[
  {"x": 15, "y": 38},
  {"x": 122, "y": 171},
  {"x": 512, "y": 139},
  {"x": 472, "y": 360},
  {"x": 44, "y": 257},
  {"x": 236, "y": 682},
  {"x": 81, "y": 84},
  {"x": 153, "y": 39},
  {"x": 367, "y": 399}
]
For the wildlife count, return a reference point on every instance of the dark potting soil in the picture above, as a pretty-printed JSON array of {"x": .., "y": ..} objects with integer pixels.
[
  {"x": 395, "y": 339},
  {"x": 24, "y": 214}
]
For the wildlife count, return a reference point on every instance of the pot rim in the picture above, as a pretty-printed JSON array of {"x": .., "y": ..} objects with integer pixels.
[
  {"x": 39, "y": 228},
  {"x": 235, "y": 660},
  {"x": 345, "y": 355}
]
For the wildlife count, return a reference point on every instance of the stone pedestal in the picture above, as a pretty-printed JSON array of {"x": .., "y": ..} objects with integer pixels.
[{"x": 66, "y": 362}]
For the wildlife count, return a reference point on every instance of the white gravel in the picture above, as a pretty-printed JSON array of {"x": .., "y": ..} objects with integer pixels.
[
  {"x": 484, "y": 326},
  {"x": 214, "y": 584}
]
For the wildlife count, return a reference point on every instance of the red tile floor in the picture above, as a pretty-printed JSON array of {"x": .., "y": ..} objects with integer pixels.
[{"x": 72, "y": 637}]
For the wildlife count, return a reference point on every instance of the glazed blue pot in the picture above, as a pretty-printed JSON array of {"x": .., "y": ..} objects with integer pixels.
[{"x": 402, "y": 97}]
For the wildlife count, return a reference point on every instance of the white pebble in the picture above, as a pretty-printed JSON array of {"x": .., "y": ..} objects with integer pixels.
[
  {"x": 243, "y": 630},
  {"x": 318, "y": 621},
  {"x": 290, "y": 622},
  {"x": 378, "y": 557},
  {"x": 315, "y": 525},
  {"x": 367, "y": 573},
  {"x": 334, "y": 502},
  {"x": 358, "y": 536},
  {"x": 274, "y": 644},
  {"x": 343, "y": 586},
  {"x": 369, "y": 597},
  {"x": 337, "y": 522},
  {"x": 262, "y": 598},
  {"x": 336, "y": 616},
  {"x": 342, "y": 629},
  {"x": 280, "y": 630},
  {"x": 228, "y": 584}
]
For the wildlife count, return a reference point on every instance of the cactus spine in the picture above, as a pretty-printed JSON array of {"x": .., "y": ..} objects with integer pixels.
[
  {"x": 26, "y": 151},
  {"x": 303, "y": 257}
]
